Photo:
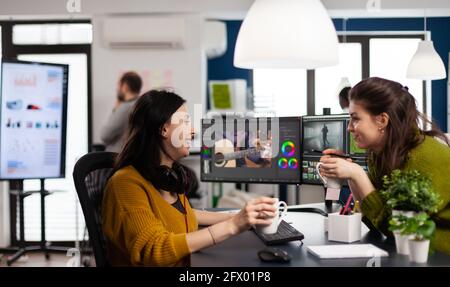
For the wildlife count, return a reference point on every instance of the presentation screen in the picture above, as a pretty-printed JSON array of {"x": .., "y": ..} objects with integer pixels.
[{"x": 33, "y": 120}]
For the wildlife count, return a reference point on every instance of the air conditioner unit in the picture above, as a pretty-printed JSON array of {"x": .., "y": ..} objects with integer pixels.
[{"x": 144, "y": 32}]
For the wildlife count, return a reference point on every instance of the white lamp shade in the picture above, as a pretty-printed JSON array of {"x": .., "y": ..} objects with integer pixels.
[
  {"x": 426, "y": 63},
  {"x": 286, "y": 34}
]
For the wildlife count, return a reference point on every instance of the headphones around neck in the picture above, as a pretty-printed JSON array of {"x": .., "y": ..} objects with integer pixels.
[{"x": 173, "y": 179}]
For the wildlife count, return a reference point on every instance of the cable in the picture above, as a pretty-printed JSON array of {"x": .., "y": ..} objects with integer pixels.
[{"x": 309, "y": 209}]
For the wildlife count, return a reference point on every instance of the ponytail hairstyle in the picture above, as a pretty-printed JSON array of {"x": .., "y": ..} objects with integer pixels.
[{"x": 403, "y": 131}]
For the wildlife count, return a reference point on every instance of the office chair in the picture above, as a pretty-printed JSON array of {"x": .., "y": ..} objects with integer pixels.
[{"x": 90, "y": 174}]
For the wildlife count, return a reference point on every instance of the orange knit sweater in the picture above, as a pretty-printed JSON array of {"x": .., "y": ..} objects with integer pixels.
[{"x": 141, "y": 227}]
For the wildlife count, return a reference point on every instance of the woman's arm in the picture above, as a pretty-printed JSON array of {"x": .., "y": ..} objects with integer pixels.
[
  {"x": 372, "y": 206},
  {"x": 358, "y": 181},
  {"x": 210, "y": 218},
  {"x": 257, "y": 211}
]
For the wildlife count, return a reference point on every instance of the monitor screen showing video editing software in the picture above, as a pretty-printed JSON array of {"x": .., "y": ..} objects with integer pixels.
[
  {"x": 265, "y": 150},
  {"x": 326, "y": 132}
]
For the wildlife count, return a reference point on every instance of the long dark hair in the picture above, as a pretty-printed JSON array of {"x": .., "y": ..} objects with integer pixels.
[
  {"x": 144, "y": 143},
  {"x": 403, "y": 131}
]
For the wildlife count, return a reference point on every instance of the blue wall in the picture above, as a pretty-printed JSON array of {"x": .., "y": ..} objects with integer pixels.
[{"x": 222, "y": 68}]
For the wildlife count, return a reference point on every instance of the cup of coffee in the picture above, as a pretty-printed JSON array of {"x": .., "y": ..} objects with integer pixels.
[
  {"x": 273, "y": 227},
  {"x": 335, "y": 183}
]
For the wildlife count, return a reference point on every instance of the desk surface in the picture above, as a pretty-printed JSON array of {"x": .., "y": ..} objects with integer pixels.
[{"x": 241, "y": 250}]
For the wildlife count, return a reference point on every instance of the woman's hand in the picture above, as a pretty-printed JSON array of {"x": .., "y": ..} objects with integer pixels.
[
  {"x": 330, "y": 152},
  {"x": 333, "y": 167},
  {"x": 255, "y": 212}
]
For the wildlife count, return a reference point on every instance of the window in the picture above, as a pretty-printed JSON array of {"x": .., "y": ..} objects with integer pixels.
[
  {"x": 281, "y": 92},
  {"x": 51, "y": 34},
  {"x": 64, "y": 217},
  {"x": 286, "y": 92},
  {"x": 66, "y": 43},
  {"x": 389, "y": 58},
  {"x": 327, "y": 79}
]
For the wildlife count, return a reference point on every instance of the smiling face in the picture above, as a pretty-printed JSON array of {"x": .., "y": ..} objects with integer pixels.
[
  {"x": 178, "y": 133},
  {"x": 367, "y": 129}
]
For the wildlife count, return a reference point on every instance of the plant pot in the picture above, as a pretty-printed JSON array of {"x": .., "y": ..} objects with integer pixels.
[
  {"x": 402, "y": 243},
  {"x": 404, "y": 213},
  {"x": 418, "y": 250}
]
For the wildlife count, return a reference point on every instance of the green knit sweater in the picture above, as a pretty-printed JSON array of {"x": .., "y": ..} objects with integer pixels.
[{"x": 430, "y": 158}]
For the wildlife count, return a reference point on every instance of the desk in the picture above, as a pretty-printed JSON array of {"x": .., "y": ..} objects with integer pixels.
[{"x": 241, "y": 250}]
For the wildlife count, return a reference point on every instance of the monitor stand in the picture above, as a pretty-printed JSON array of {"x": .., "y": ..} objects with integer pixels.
[
  {"x": 328, "y": 203},
  {"x": 22, "y": 246}
]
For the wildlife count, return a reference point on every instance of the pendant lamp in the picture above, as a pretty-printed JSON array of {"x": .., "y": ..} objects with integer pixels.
[{"x": 286, "y": 34}]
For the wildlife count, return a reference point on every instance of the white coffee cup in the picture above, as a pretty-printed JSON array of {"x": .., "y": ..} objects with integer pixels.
[
  {"x": 273, "y": 227},
  {"x": 329, "y": 182}
]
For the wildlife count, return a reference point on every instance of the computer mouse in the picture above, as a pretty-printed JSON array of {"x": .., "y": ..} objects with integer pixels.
[{"x": 273, "y": 254}]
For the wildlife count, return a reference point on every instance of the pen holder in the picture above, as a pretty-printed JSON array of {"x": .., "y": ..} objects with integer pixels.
[{"x": 344, "y": 228}]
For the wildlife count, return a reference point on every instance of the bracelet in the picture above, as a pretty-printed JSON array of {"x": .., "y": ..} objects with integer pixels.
[{"x": 212, "y": 234}]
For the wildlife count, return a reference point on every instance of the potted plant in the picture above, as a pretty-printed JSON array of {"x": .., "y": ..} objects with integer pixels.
[
  {"x": 422, "y": 229},
  {"x": 407, "y": 193},
  {"x": 397, "y": 224}
]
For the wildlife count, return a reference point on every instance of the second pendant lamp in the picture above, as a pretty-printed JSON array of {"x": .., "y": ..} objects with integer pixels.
[{"x": 426, "y": 63}]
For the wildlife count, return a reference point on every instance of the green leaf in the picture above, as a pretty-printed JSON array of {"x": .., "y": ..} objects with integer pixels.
[{"x": 409, "y": 190}]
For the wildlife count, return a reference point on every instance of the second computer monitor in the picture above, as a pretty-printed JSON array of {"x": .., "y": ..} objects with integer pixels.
[
  {"x": 321, "y": 133},
  {"x": 264, "y": 150}
]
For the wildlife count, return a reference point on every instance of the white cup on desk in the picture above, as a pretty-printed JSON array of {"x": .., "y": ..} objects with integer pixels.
[
  {"x": 335, "y": 183},
  {"x": 273, "y": 227}
]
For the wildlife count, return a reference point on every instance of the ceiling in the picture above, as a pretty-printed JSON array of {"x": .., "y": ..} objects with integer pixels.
[{"x": 219, "y": 9}]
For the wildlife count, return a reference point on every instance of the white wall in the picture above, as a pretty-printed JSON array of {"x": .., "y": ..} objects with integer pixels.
[{"x": 186, "y": 68}]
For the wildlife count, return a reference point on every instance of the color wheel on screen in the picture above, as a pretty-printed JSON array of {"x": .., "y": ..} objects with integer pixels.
[{"x": 288, "y": 148}]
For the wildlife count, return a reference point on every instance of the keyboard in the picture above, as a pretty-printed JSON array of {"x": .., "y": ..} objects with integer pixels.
[{"x": 284, "y": 234}]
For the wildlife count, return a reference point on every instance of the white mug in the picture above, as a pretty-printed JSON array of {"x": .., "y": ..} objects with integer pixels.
[
  {"x": 273, "y": 227},
  {"x": 329, "y": 182}
]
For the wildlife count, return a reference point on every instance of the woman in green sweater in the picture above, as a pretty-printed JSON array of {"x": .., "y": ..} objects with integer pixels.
[{"x": 385, "y": 121}]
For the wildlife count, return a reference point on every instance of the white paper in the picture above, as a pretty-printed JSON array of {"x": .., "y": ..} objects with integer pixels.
[{"x": 347, "y": 251}]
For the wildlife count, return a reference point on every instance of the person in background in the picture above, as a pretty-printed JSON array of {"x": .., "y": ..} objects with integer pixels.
[
  {"x": 343, "y": 99},
  {"x": 384, "y": 120},
  {"x": 113, "y": 133},
  {"x": 146, "y": 218}
]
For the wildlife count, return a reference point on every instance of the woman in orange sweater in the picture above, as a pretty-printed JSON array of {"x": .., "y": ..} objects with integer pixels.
[{"x": 146, "y": 218}]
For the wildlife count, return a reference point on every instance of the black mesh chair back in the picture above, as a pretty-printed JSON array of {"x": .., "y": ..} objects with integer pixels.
[{"x": 90, "y": 174}]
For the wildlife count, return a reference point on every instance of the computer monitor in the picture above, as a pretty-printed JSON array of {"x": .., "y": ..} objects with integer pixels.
[
  {"x": 251, "y": 150},
  {"x": 354, "y": 150},
  {"x": 326, "y": 132},
  {"x": 33, "y": 120},
  {"x": 358, "y": 155},
  {"x": 321, "y": 133}
]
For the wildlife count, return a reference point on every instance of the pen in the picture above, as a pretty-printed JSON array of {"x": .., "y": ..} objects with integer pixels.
[
  {"x": 356, "y": 208},
  {"x": 333, "y": 154},
  {"x": 351, "y": 209},
  {"x": 343, "y": 211}
]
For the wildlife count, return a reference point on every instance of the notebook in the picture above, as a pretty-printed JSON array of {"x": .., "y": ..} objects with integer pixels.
[{"x": 347, "y": 251}]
